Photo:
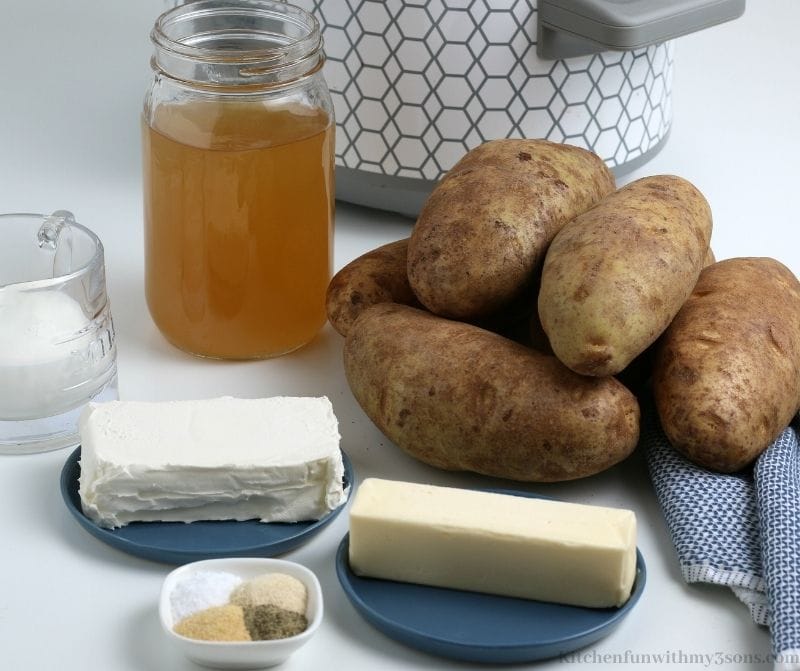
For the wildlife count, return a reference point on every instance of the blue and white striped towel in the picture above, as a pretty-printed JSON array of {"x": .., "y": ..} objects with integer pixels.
[{"x": 740, "y": 530}]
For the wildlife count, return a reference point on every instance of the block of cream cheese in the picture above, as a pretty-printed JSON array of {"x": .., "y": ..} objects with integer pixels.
[
  {"x": 271, "y": 459},
  {"x": 495, "y": 543}
]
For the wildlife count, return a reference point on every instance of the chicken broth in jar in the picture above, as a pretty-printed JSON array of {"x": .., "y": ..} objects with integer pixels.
[
  {"x": 238, "y": 190},
  {"x": 238, "y": 217}
]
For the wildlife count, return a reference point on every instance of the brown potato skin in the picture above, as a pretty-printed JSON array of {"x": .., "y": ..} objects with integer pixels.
[
  {"x": 378, "y": 276},
  {"x": 458, "y": 397},
  {"x": 636, "y": 375},
  {"x": 726, "y": 379},
  {"x": 485, "y": 227},
  {"x": 615, "y": 276}
]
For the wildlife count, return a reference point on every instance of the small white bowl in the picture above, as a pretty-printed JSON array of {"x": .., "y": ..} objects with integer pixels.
[{"x": 242, "y": 654}]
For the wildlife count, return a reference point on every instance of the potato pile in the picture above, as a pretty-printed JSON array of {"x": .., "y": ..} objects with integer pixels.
[{"x": 511, "y": 333}]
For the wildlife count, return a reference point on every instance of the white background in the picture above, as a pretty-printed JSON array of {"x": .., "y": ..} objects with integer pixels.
[{"x": 72, "y": 77}]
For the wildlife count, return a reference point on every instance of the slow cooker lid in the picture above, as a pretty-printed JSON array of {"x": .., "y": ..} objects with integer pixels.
[{"x": 575, "y": 27}]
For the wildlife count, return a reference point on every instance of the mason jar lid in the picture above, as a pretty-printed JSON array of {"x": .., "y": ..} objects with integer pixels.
[{"x": 237, "y": 43}]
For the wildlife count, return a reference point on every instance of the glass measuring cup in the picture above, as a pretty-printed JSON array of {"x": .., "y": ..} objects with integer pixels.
[{"x": 57, "y": 345}]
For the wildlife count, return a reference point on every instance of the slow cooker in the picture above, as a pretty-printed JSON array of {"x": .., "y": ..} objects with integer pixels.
[{"x": 417, "y": 83}]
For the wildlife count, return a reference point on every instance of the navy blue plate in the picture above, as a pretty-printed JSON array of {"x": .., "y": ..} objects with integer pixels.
[
  {"x": 180, "y": 543},
  {"x": 474, "y": 627}
]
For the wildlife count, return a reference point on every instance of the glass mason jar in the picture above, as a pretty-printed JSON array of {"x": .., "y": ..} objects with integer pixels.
[{"x": 238, "y": 151}]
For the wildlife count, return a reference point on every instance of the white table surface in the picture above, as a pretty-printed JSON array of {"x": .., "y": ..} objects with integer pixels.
[{"x": 72, "y": 76}]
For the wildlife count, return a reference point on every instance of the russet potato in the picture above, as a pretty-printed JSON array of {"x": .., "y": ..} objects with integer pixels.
[
  {"x": 459, "y": 397},
  {"x": 511, "y": 334},
  {"x": 483, "y": 232},
  {"x": 726, "y": 378},
  {"x": 615, "y": 276},
  {"x": 378, "y": 276}
]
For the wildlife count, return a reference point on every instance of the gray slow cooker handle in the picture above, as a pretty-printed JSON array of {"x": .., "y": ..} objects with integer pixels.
[{"x": 577, "y": 27}]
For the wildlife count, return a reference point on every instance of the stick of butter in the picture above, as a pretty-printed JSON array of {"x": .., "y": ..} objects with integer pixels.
[{"x": 495, "y": 543}]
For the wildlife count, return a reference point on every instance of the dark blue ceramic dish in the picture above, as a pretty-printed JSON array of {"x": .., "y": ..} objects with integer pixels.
[
  {"x": 474, "y": 627},
  {"x": 180, "y": 543}
]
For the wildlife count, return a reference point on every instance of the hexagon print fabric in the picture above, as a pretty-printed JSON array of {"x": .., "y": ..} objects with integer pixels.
[{"x": 418, "y": 83}]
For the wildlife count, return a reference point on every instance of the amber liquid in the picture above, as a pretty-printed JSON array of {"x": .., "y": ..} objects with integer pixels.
[{"x": 238, "y": 209}]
